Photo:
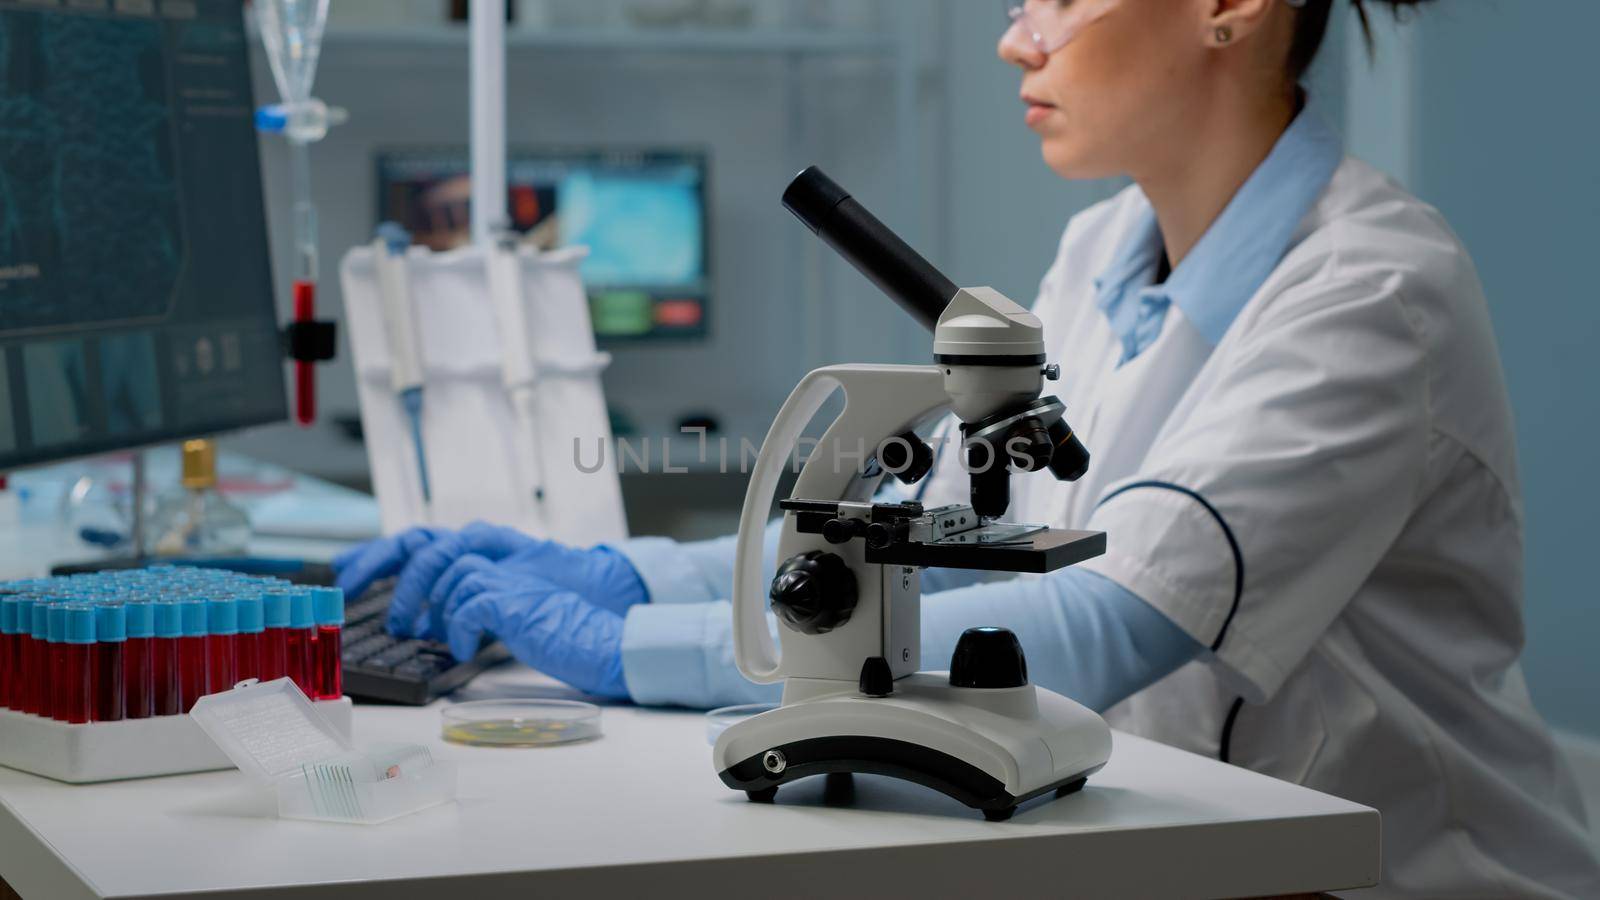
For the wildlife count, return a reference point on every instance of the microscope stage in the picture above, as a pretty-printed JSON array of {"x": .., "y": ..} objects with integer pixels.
[{"x": 1037, "y": 552}]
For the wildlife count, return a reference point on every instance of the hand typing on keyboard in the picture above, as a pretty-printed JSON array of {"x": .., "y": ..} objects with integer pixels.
[
  {"x": 433, "y": 562},
  {"x": 545, "y": 626},
  {"x": 557, "y": 608}
]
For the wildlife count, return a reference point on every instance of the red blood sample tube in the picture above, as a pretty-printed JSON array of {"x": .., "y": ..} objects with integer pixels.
[
  {"x": 301, "y": 637},
  {"x": 137, "y": 699},
  {"x": 275, "y": 637},
  {"x": 23, "y": 669},
  {"x": 327, "y": 605},
  {"x": 192, "y": 653},
  {"x": 247, "y": 643},
  {"x": 55, "y": 697},
  {"x": 222, "y": 630},
  {"x": 75, "y": 689},
  {"x": 166, "y": 696},
  {"x": 305, "y": 373},
  {"x": 21, "y": 663},
  {"x": 10, "y": 647},
  {"x": 110, "y": 649},
  {"x": 37, "y": 690}
]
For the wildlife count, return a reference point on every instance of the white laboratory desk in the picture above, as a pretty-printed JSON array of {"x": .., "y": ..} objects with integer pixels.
[{"x": 640, "y": 812}]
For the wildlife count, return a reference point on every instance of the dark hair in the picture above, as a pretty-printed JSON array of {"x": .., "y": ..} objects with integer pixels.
[{"x": 1312, "y": 27}]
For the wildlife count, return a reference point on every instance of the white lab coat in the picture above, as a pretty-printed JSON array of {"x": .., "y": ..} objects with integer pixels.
[{"x": 1330, "y": 501}]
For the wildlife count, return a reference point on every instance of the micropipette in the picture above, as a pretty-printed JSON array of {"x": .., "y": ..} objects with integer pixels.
[
  {"x": 518, "y": 362},
  {"x": 394, "y": 288}
]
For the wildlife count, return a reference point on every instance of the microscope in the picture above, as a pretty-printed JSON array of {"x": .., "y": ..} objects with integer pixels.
[{"x": 848, "y": 588}]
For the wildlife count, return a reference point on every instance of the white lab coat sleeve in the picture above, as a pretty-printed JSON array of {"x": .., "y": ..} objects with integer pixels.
[
  {"x": 1256, "y": 515},
  {"x": 694, "y": 571}
]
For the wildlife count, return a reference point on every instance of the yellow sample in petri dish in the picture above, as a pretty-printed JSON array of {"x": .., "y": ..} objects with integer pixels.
[{"x": 520, "y": 723}]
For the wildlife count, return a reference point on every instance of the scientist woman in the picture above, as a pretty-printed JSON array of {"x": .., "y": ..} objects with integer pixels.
[{"x": 1303, "y": 458}]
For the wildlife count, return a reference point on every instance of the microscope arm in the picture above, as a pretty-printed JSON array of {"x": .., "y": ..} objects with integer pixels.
[{"x": 880, "y": 402}]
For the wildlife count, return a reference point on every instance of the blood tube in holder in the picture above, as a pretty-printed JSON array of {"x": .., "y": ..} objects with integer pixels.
[
  {"x": 328, "y": 609},
  {"x": 222, "y": 630},
  {"x": 166, "y": 693},
  {"x": 76, "y": 670},
  {"x": 38, "y": 696},
  {"x": 56, "y": 696},
  {"x": 192, "y": 669},
  {"x": 247, "y": 643},
  {"x": 275, "y": 637},
  {"x": 110, "y": 649},
  {"x": 298, "y": 648},
  {"x": 10, "y": 648},
  {"x": 138, "y": 700}
]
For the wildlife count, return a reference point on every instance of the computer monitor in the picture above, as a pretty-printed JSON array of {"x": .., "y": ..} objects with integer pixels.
[
  {"x": 641, "y": 213},
  {"x": 135, "y": 289}
]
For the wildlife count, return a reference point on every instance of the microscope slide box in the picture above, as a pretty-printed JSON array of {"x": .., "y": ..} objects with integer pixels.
[{"x": 133, "y": 748}]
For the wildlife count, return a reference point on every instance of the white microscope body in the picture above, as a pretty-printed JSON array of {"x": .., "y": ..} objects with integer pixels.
[{"x": 848, "y": 588}]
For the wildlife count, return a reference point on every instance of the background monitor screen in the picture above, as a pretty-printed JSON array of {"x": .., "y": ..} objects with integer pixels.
[
  {"x": 135, "y": 285},
  {"x": 642, "y": 214}
]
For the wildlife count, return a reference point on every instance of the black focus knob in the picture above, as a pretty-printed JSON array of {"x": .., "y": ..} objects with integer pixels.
[
  {"x": 988, "y": 658},
  {"x": 907, "y": 456},
  {"x": 1069, "y": 459},
  {"x": 814, "y": 592}
]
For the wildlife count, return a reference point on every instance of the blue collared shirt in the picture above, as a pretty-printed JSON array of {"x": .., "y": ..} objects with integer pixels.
[{"x": 1235, "y": 255}]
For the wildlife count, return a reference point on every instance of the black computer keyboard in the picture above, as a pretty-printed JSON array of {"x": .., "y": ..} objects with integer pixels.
[{"x": 378, "y": 666}]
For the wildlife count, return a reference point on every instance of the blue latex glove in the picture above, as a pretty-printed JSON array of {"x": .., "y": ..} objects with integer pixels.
[
  {"x": 468, "y": 576},
  {"x": 357, "y": 568},
  {"x": 547, "y": 628},
  {"x": 600, "y": 574}
]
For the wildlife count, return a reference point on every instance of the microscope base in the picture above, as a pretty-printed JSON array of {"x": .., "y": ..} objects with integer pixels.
[{"x": 989, "y": 749}]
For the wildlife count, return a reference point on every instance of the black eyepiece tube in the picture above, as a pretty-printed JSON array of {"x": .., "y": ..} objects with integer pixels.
[{"x": 869, "y": 245}]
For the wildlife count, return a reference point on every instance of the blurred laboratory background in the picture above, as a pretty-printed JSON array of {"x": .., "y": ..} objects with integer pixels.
[{"x": 1482, "y": 107}]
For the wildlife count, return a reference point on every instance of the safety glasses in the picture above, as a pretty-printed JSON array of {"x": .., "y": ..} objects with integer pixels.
[{"x": 1049, "y": 25}]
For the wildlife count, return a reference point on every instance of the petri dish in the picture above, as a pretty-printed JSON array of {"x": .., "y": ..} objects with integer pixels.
[
  {"x": 520, "y": 723},
  {"x": 720, "y": 720}
]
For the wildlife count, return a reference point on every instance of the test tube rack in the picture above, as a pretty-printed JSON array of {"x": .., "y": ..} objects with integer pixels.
[{"x": 132, "y": 748}]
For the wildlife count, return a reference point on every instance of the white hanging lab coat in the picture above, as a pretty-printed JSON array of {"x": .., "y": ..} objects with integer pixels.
[{"x": 1328, "y": 500}]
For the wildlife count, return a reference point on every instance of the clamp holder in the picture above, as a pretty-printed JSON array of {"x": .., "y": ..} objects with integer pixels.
[{"x": 311, "y": 340}]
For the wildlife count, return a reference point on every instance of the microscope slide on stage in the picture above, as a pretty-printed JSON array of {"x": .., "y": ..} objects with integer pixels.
[
  {"x": 480, "y": 389},
  {"x": 847, "y": 593}
]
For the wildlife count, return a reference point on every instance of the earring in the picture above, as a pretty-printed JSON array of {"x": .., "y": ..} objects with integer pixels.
[{"x": 1224, "y": 34}]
